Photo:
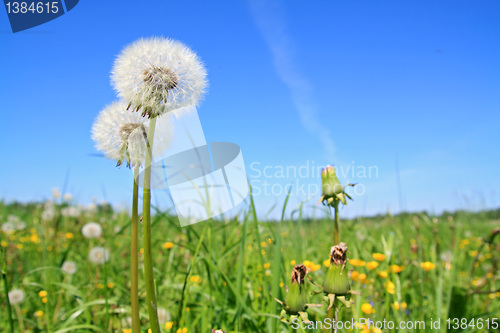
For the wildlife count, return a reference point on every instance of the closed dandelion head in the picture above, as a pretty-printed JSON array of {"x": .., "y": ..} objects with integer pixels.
[
  {"x": 337, "y": 279},
  {"x": 69, "y": 267},
  {"x": 16, "y": 296},
  {"x": 159, "y": 75},
  {"x": 331, "y": 188},
  {"x": 121, "y": 135},
  {"x": 92, "y": 230},
  {"x": 99, "y": 255},
  {"x": 298, "y": 274}
]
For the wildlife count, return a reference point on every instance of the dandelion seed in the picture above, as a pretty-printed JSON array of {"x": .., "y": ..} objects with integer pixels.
[
  {"x": 159, "y": 75},
  {"x": 92, "y": 230},
  {"x": 67, "y": 197},
  {"x": 55, "y": 193},
  {"x": 16, "y": 296},
  {"x": 69, "y": 267},
  {"x": 99, "y": 255}
]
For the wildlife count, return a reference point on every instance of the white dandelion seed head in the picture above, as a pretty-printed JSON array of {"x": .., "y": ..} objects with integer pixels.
[
  {"x": 70, "y": 211},
  {"x": 21, "y": 225},
  {"x": 8, "y": 228},
  {"x": 56, "y": 194},
  {"x": 92, "y": 208},
  {"x": 163, "y": 316},
  {"x": 92, "y": 230},
  {"x": 121, "y": 134},
  {"x": 99, "y": 255},
  {"x": 69, "y": 267},
  {"x": 159, "y": 75},
  {"x": 16, "y": 296},
  {"x": 48, "y": 213},
  {"x": 67, "y": 197}
]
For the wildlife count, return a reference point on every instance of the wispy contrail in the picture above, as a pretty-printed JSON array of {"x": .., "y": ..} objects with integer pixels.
[{"x": 269, "y": 17}]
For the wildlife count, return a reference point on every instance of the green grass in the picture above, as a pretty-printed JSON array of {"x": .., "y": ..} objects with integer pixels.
[{"x": 220, "y": 275}]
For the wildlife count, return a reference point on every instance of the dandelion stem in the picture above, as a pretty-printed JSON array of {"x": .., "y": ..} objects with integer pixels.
[
  {"x": 146, "y": 211},
  {"x": 19, "y": 318},
  {"x": 6, "y": 287},
  {"x": 134, "y": 265},
  {"x": 336, "y": 231}
]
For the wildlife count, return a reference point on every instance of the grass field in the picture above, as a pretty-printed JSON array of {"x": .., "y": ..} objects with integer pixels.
[{"x": 219, "y": 274}]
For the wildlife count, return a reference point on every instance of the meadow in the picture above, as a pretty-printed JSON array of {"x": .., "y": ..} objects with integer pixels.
[{"x": 223, "y": 273}]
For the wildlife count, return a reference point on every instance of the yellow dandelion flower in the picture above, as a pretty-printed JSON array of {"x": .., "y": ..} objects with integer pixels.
[
  {"x": 44, "y": 300},
  {"x": 195, "y": 279},
  {"x": 168, "y": 245},
  {"x": 19, "y": 246},
  {"x": 111, "y": 285},
  {"x": 473, "y": 253},
  {"x": 397, "y": 268},
  {"x": 38, "y": 313},
  {"x": 378, "y": 256},
  {"x": 281, "y": 284},
  {"x": 68, "y": 235},
  {"x": 169, "y": 325},
  {"x": 366, "y": 308},
  {"x": 382, "y": 274},
  {"x": 100, "y": 286},
  {"x": 355, "y": 275},
  {"x": 269, "y": 241},
  {"x": 326, "y": 262},
  {"x": 391, "y": 288},
  {"x": 42, "y": 293},
  {"x": 293, "y": 262},
  {"x": 267, "y": 265},
  {"x": 127, "y": 330},
  {"x": 396, "y": 305},
  {"x": 427, "y": 266},
  {"x": 141, "y": 250},
  {"x": 4, "y": 244},
  {"x": 263, "y": 252},
  {"x": 357, "y": 262},
  {"x": 372, "y": 265},
  {"x": 263, "y": 244},
  {"x": 362, "y": 277}
]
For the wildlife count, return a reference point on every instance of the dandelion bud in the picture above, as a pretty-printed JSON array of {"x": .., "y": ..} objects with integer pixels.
[
  {"x": 331, "y": 187},
  {"x": 296, "y": 298},
  {"x": 337, "y": 279}
]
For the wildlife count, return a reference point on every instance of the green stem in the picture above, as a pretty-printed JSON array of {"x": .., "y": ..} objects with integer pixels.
[
  {"x": 134, "y": 265},
  {"x": 9, "y": 308},
  {"x": 336, "y": 232},
  {"x": 146, "y": 211},
  {"x": 19, "y": 315}
]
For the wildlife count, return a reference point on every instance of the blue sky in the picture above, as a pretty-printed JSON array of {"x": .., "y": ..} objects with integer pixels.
[{"x": 364, "y": 85}]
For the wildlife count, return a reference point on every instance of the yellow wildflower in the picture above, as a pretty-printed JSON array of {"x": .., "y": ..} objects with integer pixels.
[
  {"x": 357, "y": 262},
  {"x": 292, "y": 262},
  {"x": 326, "y": 262},
  {"x": 168, "y": 245},
  {"x": 428, "y": 266},
  {"x": 267, "y": 265},
  {"x": 382, "y": 274},
  {"x": 111, "y": 285},
  {"x": 38, "y": 313},
  {"x": 169, "y": 325},
  {"x": 378, "y": 256},
  {"x": 372, "y": 265},
  {"x": 42, "y": 293},
  {"x": 397, "y": 268},
  {"x": 68, "y": 235},
  {"x": 367, "y": 308}
]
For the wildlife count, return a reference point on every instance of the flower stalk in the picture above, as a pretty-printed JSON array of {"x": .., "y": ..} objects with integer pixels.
[
  {"x": 146, "y": 211},
  {"x": 134, "y": 260}
]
